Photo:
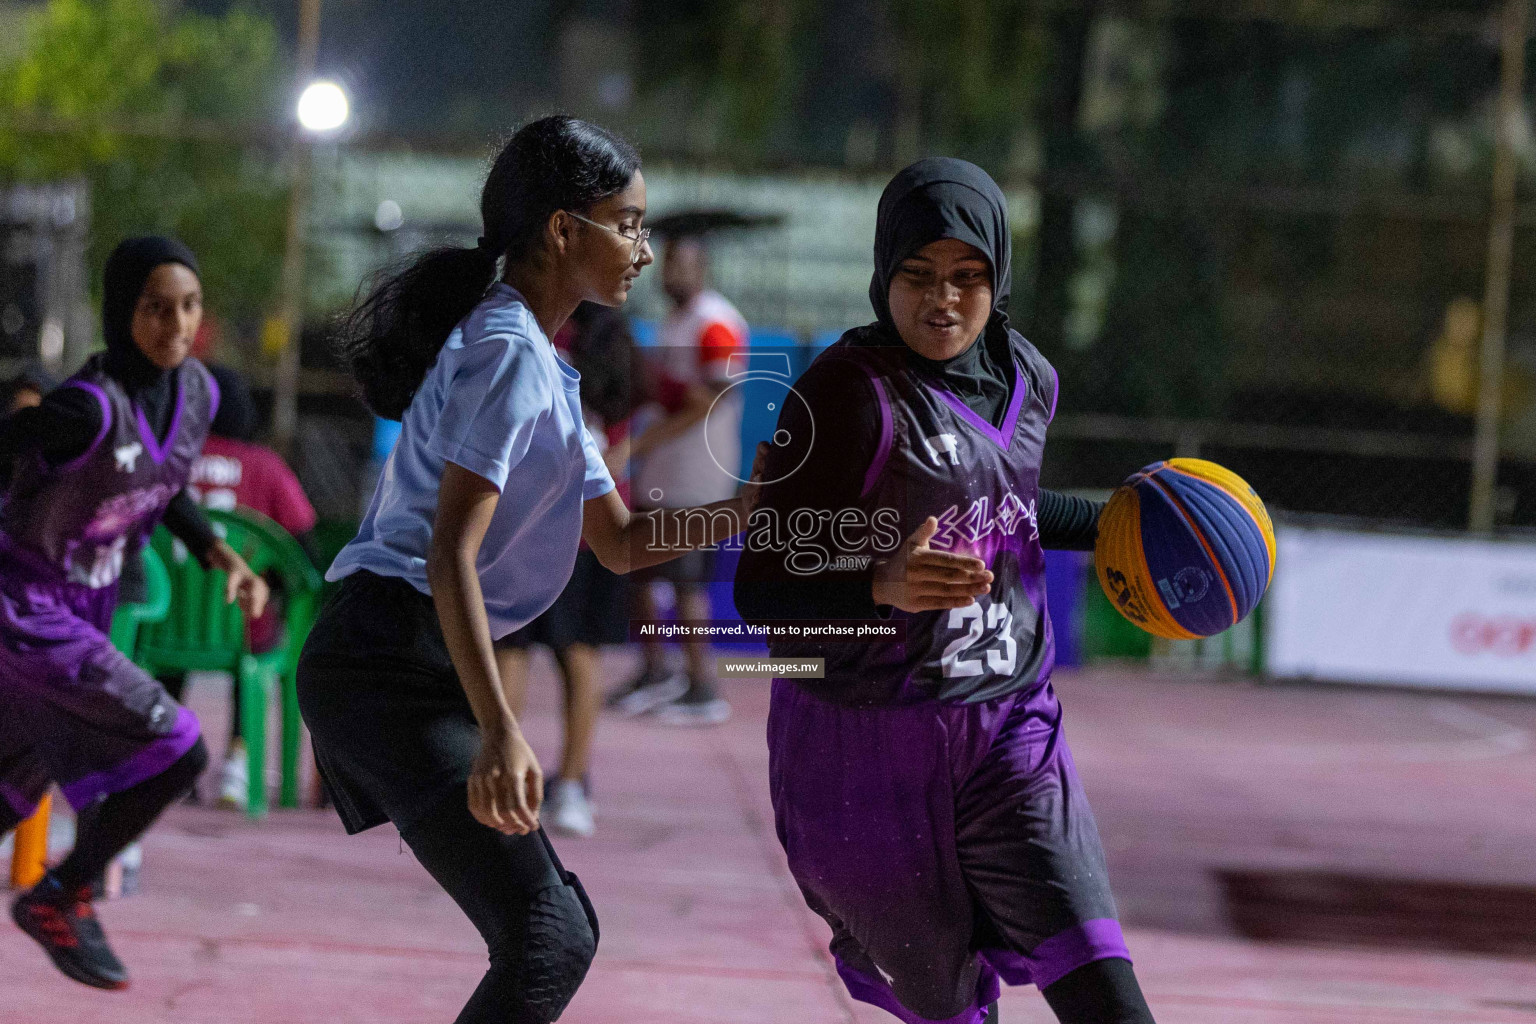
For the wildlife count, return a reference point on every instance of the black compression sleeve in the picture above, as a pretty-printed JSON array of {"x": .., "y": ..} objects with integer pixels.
[
  {"x": 108, "y": 826},
  {"x": 188, "y": 524},
  {"x": 1067, "y": 522},
  {"x": 793, "y": 577},
  {"x": 60, "y": 429},
  {"x": 1100, "y": 992}
]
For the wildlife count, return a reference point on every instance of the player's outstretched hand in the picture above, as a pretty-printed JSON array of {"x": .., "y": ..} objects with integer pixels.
[
  {"x": 919, "y": 579},
  {"x": 243, "y": 586}
]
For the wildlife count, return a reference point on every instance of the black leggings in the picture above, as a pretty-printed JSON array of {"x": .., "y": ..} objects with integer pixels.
[
  {"x": 537, "y": 924},
  {"x": 1101, "y": 992},
  {"x": 105, "y": 828}
]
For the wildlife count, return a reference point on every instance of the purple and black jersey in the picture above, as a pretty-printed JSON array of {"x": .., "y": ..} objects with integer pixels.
[
  {"x": 924, "y": 791},
  {"x": 74, "y": 711},
  {"x": 937, "y": 768},
  {"x": 937, "y": 457},
  {"x": 76, "y": 521}
]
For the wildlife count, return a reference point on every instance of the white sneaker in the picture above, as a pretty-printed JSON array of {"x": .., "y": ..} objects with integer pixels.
[
  {"x": 698, "y": 705},
  {"x": 234, "y": 782},
  {"x": 567, "y": 809},
  {"x": 646, "y": 692}
]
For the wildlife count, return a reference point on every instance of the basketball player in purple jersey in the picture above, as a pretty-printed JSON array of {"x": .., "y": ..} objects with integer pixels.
[
  {"x": 924, "y": 791},
  {"x": 102, "y": 460}
]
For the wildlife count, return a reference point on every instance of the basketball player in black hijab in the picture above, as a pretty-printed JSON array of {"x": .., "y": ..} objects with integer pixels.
[
  {"x": 98, "y": 464},
  {"x": 924, "y": 791}
]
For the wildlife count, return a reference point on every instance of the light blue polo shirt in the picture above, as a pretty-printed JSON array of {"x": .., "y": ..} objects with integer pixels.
[{"x": 500, "y": 403}]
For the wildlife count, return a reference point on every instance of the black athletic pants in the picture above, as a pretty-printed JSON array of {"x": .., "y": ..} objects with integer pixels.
[
  {"x": 539, "y": 931},
  {"x": 395, "y": 740}
]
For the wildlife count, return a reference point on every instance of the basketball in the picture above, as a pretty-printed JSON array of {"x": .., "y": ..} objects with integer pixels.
[{"x": 1185, "y": 549}]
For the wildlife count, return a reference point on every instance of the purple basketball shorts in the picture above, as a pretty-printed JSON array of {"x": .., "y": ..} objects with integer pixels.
[
  {"x": 950, "y": 847},
  {"x": 73, "y": 710}
]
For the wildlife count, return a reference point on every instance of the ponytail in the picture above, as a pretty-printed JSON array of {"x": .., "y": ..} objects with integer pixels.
[{"x": 391, "y": 338}]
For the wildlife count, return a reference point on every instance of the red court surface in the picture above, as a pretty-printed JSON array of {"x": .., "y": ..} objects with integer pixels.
[{"x": 1282, "y": 854}]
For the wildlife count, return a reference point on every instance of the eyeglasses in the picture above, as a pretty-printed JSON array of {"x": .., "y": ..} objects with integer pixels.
[{"x": 638, "y": 240}]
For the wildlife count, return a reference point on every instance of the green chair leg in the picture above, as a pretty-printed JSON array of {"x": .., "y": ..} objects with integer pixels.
[
  {"x": 202, "y": 631},
  {"x": 253, "y": 722},
  {"x": 292, "y": 729}
]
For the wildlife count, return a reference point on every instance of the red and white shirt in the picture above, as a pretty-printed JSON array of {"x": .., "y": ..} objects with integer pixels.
[
  {"x": 694, "y": 345},
  {"x": 231, "y": 473}
]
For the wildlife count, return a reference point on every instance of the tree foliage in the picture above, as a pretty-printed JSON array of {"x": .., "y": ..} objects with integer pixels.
[
  {"x": 742, "y": 59},
  {"x": 952, "y": 76},
  {"x": 973, "y": 70},
  {"x": 146, "y": 104}
]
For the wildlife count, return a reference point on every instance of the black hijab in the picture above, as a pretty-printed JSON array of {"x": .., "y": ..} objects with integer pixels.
[
  {"x": 127, "y": 271},
  {"x": 942, "y": 197}
]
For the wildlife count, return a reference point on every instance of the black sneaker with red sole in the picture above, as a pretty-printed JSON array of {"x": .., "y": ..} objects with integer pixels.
[{"x": 65, "y": 925}]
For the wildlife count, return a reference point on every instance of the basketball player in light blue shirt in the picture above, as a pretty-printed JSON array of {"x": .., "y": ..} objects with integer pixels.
[
  {"x": 497, "y": 401},
  {"x": 471, "y": 533}
]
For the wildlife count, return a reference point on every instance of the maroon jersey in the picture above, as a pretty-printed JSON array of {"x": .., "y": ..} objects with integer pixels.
[
  {"x": 233, "y": 473},
  {"x": 76, "y": 521}
]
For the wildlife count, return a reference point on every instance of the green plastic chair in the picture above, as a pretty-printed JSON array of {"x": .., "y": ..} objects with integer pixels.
[
  {"x": 203, "y": 633},
  {"x": 127, "y": 618}
]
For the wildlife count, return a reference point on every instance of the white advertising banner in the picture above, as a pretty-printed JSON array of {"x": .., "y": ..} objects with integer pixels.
[{"x": 1402, "y": 610}]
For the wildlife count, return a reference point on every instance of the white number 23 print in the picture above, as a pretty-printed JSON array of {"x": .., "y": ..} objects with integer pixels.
[{"x": 962, "y": 656}]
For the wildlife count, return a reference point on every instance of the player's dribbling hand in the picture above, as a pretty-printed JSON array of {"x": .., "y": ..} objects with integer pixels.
[
  {"x": 753, "y": 489},
  {"x": 506, "y": 784},
  {"x": 919, "y": 579}
]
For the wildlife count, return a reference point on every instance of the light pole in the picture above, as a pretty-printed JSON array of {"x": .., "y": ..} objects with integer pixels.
[
  {"x": 322, "y": 109},
  {"x": 1501, "y": 234}
]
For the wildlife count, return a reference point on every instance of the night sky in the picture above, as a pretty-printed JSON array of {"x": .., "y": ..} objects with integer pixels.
[{"x": 410, "y": 66}]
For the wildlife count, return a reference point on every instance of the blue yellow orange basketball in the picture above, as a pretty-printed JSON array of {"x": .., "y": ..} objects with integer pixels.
[{"x": 1186, "y": 549}]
